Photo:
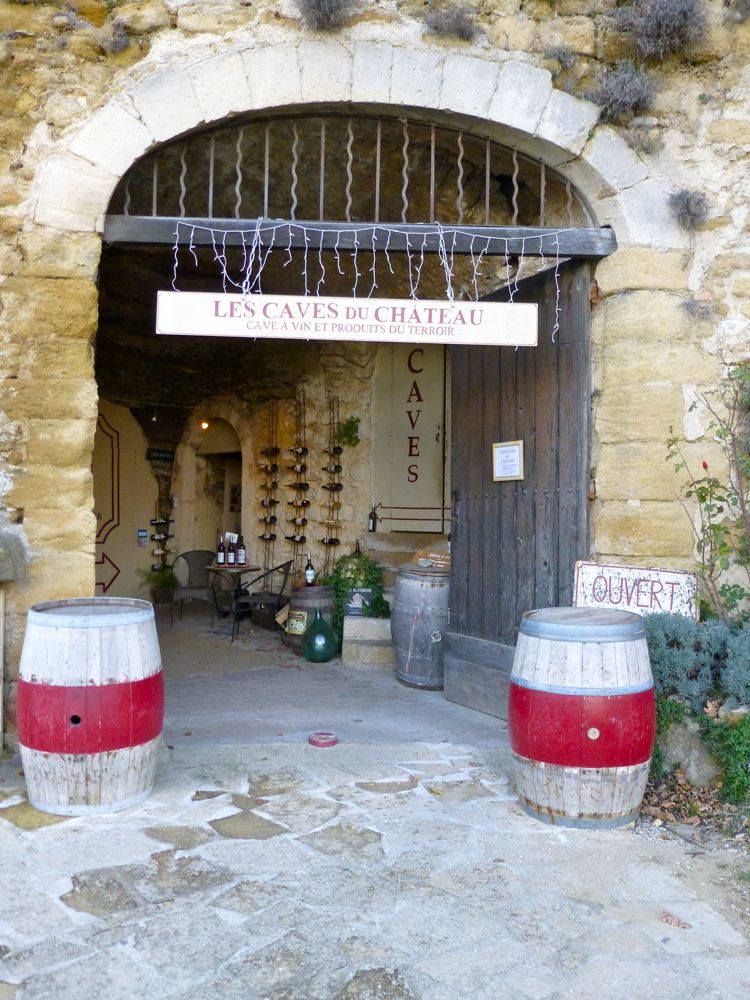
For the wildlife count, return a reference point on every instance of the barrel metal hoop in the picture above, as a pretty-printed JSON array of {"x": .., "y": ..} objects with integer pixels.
[
  {"x": 575, "y": 632},
  {"x": 606, "y": 692},
  {"x": 572, "y": 822}
]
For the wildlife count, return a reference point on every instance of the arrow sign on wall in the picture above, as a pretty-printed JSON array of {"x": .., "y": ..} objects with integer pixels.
[{"x": 105, "y": 585}]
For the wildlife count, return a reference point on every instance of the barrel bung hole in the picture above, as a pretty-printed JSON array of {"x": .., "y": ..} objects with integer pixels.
[{"x": 75, "y": 720}]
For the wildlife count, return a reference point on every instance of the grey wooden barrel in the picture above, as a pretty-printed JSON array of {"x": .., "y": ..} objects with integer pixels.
[
  {"x": 419, "y": 617},
  {"x": 90, "y": 704},
  {"x": 307, "y": 600}
]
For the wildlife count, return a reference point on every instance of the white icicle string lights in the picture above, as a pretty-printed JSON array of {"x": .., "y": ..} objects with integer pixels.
[{"x": 257, "y": 248}]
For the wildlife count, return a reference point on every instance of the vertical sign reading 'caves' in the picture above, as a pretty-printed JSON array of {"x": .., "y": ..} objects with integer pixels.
[{"x": 409, "y": 436}]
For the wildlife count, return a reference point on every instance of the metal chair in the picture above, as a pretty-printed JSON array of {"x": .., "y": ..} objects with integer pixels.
[
  {"x": 261, "y": 605},
  {"x": 191, "y": 569}
]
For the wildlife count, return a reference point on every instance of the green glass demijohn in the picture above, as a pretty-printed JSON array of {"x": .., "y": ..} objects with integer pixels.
[{"x": 319, "y": 643}]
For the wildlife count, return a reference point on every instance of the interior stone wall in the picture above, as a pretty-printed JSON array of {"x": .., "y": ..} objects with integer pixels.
[{"x": 88, "y": 87}]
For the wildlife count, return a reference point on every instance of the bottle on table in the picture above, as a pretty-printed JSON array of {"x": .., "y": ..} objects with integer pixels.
[
  {"x": 241, "y": 552},
  {"x": 232, "y": 554},
  {"x": 221, "y": 552},
  {"x": 309, "y": 572}
]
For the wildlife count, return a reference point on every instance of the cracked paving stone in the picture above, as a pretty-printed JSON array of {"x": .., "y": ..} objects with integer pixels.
[
  {"x": 247, "y": 826},
  {"x": 99, "y": 893},
  {"x": 343, "y": 838},
  {"x": 44, "y": 955},
  {"x": 264, "y": 785},
  {"x": 27, "y": 817},
  {"x": 376, "y": 984},
  {"x": 251, "y": 896},
  {"x": 388, "y": 787},
  {"x": 458, "y": 791},
  {"x": 207, "y": 793},
  {"x": 182, "y": 838},
  {"x": 302, "y": 812},
  {"x": 180, "y": 876}
]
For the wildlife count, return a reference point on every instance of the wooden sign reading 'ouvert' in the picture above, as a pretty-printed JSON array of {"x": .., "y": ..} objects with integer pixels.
[{"x": 300, "y": 317}]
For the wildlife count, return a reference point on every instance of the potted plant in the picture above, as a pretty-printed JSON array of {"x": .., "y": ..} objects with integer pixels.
[
  {"x": 161, "y": 580},
  {"x": 357, "y": 582}
]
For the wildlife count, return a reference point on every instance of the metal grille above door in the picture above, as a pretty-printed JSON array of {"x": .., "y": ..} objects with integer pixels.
[{"x": 340, "y": 172}]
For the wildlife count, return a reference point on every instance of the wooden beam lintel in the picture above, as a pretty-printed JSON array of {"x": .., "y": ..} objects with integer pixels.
[{"x": 493, "y": 241}]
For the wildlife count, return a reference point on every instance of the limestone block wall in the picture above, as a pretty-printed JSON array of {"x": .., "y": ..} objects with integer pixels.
[{"x": 87, "y": 88}]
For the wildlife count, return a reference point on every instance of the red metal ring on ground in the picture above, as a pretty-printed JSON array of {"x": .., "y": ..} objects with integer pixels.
[{"x": 322, "y": 739}]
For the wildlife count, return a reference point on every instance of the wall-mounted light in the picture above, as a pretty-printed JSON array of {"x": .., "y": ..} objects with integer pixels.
[{"x": 204, "y": 425}]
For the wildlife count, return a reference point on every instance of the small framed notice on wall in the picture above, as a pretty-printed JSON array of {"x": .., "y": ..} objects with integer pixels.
[{"x": 507, "y": 461}]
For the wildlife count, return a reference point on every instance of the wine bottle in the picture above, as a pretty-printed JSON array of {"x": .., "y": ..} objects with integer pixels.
[
  {"x": 269, "y": 487},
  {"x": 309, "y": 572},
  {"x": 329, "y": 541},
  {"x": 269, "y": 503},
  {"x": 331, "y": 469},
  {"x": 269, "y": 519},
  {"x": 231, "y": 554},
  {"x": 241, "y": 552},
  {"x": 268, "y": 536},
  {"x": 269, "y": 452},
  {"x": 333, "y": 487},
  {"x": 298, "y": 503},
  {"x": 336, "y": 450},
  {"x": 297, "y": 539},
  {"x": 221, "y": 553},
  {"x": 297, "y": 520},
  {"x": 269, "y": 467},
  {"x": 297, "y": 467},
  {"x": 298, "y": 449},
  {"x": 298, "y": 486}
]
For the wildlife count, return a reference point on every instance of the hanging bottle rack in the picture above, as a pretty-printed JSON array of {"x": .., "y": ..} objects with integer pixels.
[{"x": 268, "y": 464}]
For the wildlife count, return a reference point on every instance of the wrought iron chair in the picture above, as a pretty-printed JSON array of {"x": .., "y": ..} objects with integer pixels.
[
  {"x": 191, "y": 569},
  {"x": 261, "y": 605}
]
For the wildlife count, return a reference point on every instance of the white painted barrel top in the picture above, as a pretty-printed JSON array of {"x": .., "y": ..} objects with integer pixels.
[
  {"x": 583, "y": 625},
  {"x": 90, "y": 612}
]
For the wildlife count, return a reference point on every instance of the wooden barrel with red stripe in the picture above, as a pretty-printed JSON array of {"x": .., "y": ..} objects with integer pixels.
[
  {"x": 90, "y": 704},
  {"x": 581, "y": 716}
]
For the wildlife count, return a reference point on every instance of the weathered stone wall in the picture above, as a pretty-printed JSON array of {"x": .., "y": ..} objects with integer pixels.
[{"x": 157, "y": 67}]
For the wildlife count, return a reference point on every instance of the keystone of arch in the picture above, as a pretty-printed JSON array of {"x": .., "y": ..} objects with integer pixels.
[{"x": 513, "y": 102}]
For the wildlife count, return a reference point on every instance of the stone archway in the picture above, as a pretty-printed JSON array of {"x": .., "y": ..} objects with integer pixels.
[{"x": 514, "y": 99}]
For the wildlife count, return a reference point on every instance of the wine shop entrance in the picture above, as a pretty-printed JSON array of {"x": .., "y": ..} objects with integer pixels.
[{"x": 355, "y": 440}]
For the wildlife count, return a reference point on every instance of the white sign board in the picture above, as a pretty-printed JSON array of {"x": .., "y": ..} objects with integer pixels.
[
  {"x": 632, "y": 588},
  {"x": 300, "y": 317},
  {"x": 507, "y": 461}
]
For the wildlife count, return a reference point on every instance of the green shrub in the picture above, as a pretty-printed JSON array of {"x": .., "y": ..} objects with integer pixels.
[
  {"x": 659, "y": 28},
  {"x": 623, "y": 89},
  {"x": 735, "y": 675},
  {"x": 690, "y": 208},
  {"x": 456, "y": 21},
  {"x": 686, "y": 656},
  {"x": 730, "y": 745},
  {"x": 356, "y": 571},
  {"x": 668, "y": 711},
  {"x": 324, "y": 15}
]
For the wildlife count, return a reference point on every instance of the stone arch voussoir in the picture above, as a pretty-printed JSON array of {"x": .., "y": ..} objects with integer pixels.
[{"x": 513, "y": 99}]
